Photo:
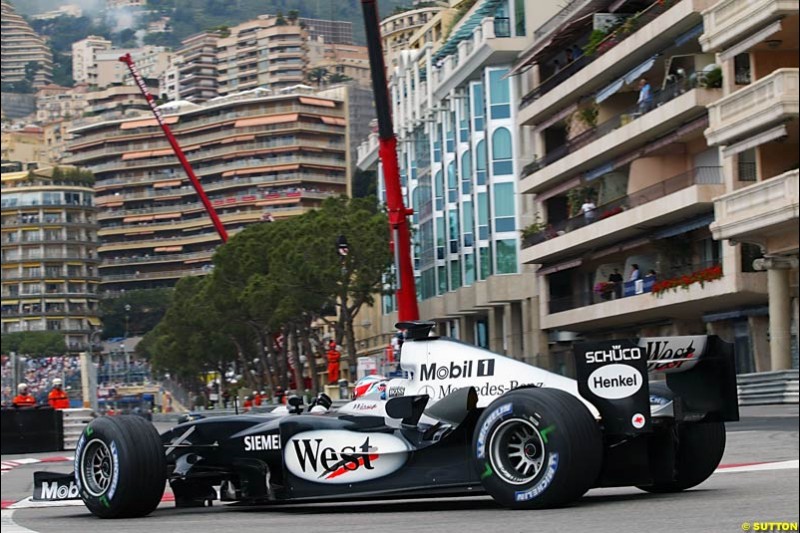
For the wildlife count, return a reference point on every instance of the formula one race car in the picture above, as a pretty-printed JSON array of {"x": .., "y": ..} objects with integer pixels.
[{"x": 462, "y": 421}]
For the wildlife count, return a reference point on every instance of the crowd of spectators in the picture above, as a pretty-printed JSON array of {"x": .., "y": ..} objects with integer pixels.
[{"x": 40, "y": 372}]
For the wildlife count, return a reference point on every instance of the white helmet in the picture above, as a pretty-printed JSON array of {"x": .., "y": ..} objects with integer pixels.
[
  {"x": 22, "y": 387},
  {"x": 56, "y": 382}
]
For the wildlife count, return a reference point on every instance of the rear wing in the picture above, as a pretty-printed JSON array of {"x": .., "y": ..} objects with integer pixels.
[{"x": 700, "y": 375}]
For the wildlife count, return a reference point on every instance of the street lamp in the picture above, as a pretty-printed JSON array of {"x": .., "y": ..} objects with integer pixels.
[{"x": 124, "y": 350}]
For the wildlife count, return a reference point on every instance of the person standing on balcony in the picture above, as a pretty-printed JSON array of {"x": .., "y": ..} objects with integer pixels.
[
  {"x": 589, "y": 211},
  {"x": 616, "y": 279},
  {"x": 634, "y": 273},
  {"x": 645, "y": 96}
]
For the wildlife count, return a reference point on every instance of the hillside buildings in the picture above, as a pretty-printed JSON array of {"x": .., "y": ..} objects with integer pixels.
[
  {"x": 21, "y": 47},
  {"x": 259, "y": 156},
  {"x": 49, "y": 259}
]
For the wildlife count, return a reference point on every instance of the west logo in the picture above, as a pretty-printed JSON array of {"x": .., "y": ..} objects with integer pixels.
[
  {"x": 465, "y": 369},
  {"x": 331, "y": 463},
  {"x": 54, "y": 491}
]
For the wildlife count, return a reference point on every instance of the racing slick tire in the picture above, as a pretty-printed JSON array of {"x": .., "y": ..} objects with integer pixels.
[
  {"x": 537, "y": 448},
  {"x": 120, "y": 467},
  {"x": 698, "y": 452}
]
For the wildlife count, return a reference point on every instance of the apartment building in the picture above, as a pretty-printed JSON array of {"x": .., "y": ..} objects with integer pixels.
[
  {"x": 259, "y": 157},
  {"x": 261, "y": 53},
  {"x": 330, "y": 31},
  {"x": 455, "y": 116},
  {"x": 83, "y": 58},
  {"x": 21, "y": 46},
  {"x": 755, "y": 125},
  {"x": 24, "y": 144},
  {"x": 614, "y": 123},
  {"x": 54, "y": 102},
  {"x": 398, "y": 28},
  {"x": 194, "y": 75},
  {"x": 49, "y": 259},
  {"x": 342, "y": 61}
]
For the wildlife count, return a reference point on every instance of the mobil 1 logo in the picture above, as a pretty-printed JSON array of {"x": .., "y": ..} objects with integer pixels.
[{"x": 612, "y": 375}]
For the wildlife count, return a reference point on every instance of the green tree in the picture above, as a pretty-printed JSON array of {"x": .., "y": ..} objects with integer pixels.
[
  {"x": 147, "y": 307},
  {"x": 318, "y": 75},
  {"x": 338, "y": 77},
  {"x": 292, "y": 16},
  {"x": 34, "y": 343}
]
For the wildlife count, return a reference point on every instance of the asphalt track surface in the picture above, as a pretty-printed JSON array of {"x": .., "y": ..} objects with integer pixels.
[{"x": 723, "y": 503}]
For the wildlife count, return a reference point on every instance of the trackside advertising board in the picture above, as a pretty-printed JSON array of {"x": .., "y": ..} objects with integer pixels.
[{"x": 612, "y": 375}]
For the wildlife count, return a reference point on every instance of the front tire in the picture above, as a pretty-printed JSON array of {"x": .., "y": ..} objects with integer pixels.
[
  {"x": 698, "y": 452},
  {"x": 120, "y": 467},
  {"x": 537, "y": 448}
]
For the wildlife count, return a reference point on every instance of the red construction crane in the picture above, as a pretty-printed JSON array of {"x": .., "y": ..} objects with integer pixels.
[
  {"x": 407, "y": 308},
  {"x": 128, "y": 60}
]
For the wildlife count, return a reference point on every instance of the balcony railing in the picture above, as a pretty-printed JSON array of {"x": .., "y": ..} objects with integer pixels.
[
  {"x": 625, "y": 289},
  {"x": 635, "y": 112},
  {"x": 696, "y": 176}
]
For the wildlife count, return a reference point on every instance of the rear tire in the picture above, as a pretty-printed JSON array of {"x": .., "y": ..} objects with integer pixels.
[
  {"x": 698, "y": 451},
  {"x": 120, "y": 467},
  {"x": 537, "y": 448}
]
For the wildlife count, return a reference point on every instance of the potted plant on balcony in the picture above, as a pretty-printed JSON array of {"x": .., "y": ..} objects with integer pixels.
[{"x": 534, "y": 232}]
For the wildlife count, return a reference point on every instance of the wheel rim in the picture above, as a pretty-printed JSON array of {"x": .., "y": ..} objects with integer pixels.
[
  {"x": 517, "y": 451},
  {"x": 97, "y": 468}
]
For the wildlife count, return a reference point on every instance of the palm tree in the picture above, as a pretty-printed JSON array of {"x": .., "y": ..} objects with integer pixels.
[{"x": 318, "y": 75}]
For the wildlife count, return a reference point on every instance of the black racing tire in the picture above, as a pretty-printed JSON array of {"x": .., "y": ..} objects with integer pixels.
[
  {"x": 537, "y": 448},
  {"x": 698, "y": 452},
  {"x": 120, "y": 467}
]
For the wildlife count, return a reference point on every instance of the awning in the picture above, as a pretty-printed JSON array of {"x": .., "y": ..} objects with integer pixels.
[
  {"x": 609, "y": 90},
  {"x": 170, "y": 183},
  {"x": 77, "y": 300},
  {"x": 561, "y": 115},
  {"x": 598, "y": 172},
  {"x": 276, "y": 168},
  {"x": 559, "y": 267},
  {"x": 135, "y": 155},
  {"x": 147, "y": 123},
  {"x": 559, "y": 37},
  {"x": 689, "y": 35},
  {"x": 54, "y": 300},
  {"x": 756, "y": 140},
  {"x": 681, "y": 228},
  {"x": 750, "y": 42},
  {"x": 262, "y": 121},
  {"x": 237, "y": 139},
  {"x": 168, "y": 216},
  {"x": 35, "y": 301},
  {"x": 317, "y": 102},
  {"x": 10, "y": 302},
  {"x": 637, "y": 72},
  {"x": 93, "y": 321},
  {"x": 168, "y": 249},
  {"x": 334, "y": 121}
]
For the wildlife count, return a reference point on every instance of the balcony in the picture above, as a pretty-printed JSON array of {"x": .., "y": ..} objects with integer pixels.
[
  {"x": 730, "y": 21},
  {"x": 368, "y": 152},
  {"x": 586, "y": 312},
  {"x": 621, "y": 52},
  {"x": 620, "y": 135},
  {"x": 769, "y": 101},
  {"x": 680, "y": 198},
  {"x": 765, "y": 212}
]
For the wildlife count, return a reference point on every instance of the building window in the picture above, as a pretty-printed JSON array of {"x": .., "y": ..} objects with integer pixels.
[
  {"x": 504, "y": 207},
  {"x": 452, "y": 182},
  {"x": 746, "y": 165},
  {"x": 480, "y": 163},
  {"x": 468, "y": 224},
  {"x": 439, "y": 189},
  {"x": 502, "y": 152},
  {"x": 500, "y": 97},
  {"x": 483, "y": 216},
  {"x": 507, "y": 256},
  {"x": 466, "y": 172},
  {"x": 477, "y": 105},
  {"x": 441, "y": 272},
  {"x": 454, "y": 230},
  {"x": 741, "y": 69},
  {"x": 469, "y": 269},
  {"x": 455, "y": 275},
  {"x": 486, "y": 262},
  {"x": 440, "y": 235}
]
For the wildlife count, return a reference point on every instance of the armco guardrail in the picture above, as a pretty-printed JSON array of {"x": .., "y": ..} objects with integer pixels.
[
  {"x": 765, "y": 388},
  {"x": 75, "y": 421}
]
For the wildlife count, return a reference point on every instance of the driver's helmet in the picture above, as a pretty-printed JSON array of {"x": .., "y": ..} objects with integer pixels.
[{"x": 369, "y": 386}]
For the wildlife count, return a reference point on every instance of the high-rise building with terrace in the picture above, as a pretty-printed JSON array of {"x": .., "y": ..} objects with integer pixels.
[
  {"x": 259, "y": 157},
  {"x": 21, "y": 47},
  {"x": 755, "y": 124},
  {"x": 622, "y": 163},
  {"x": 49, "y": 254}
]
